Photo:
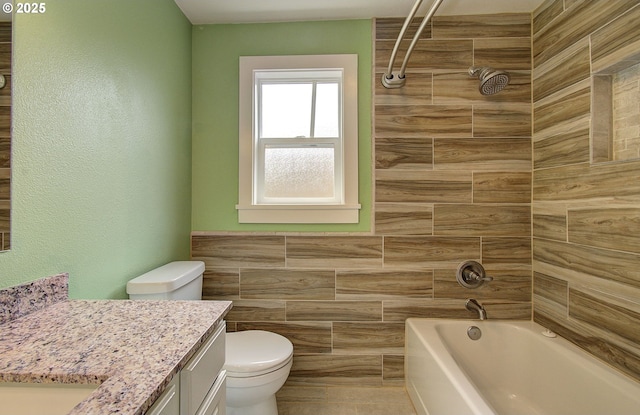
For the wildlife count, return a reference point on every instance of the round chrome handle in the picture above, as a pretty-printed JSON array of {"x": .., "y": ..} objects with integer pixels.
[{"x": 471, "y": 274}]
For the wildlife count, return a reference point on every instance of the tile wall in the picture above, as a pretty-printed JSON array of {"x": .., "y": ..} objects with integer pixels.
[
  {"x": 586, "y": 216},
  {"x": 5, "y": 137},
  {"x": 452, "y": 183}
]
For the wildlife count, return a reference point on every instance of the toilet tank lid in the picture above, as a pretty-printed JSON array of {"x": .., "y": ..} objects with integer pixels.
[{"x": 166, "y": 278}]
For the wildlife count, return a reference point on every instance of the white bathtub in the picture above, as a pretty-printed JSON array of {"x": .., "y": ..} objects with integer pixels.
[{"x": 511, "y": 370}]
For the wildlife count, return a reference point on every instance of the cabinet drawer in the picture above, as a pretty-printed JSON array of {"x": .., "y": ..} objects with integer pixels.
[
  {"x": 200, "y": 373},
  {"x": 215, "y": 403},
  {"x": 168, "y": 403}
]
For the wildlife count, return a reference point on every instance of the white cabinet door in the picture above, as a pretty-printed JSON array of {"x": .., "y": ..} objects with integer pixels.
[{"x": 169, "y": 402}]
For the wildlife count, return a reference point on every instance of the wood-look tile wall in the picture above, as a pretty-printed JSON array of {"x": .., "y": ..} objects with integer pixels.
[
  {"x": 5, "y": 137},
  {"x": 586, "y": 248},
  {"x": 452, "y": 183}
]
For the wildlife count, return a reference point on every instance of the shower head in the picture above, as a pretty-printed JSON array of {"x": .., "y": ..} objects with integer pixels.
[{"x": 491, "y": 81}]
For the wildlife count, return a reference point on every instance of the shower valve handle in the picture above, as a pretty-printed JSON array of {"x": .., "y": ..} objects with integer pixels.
[{"x": 471, "y": 274}]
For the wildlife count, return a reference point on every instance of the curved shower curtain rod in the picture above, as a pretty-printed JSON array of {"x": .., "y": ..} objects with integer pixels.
[{"x": 392, "y": 79}]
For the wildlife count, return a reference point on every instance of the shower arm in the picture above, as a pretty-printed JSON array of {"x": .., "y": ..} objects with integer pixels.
[{"x": 389, "y": 79}]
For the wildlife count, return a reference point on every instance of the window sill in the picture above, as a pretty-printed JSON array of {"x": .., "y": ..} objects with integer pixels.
[{"x": 298, "y": 213}]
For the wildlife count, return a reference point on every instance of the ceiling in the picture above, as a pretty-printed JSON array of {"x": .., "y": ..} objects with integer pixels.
[{"x": 256, "y": 11}]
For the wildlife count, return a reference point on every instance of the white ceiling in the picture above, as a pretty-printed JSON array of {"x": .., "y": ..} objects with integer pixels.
[{"x": 255, "y": 11}]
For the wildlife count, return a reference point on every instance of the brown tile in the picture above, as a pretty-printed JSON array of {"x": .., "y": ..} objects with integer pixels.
[
  {"x": 423, "y": 120},
  {"x": 231, "y": 251},
  {"x": 365, "y": 337},
  {"x": 257, "y": 310},
  {"x": 551, "y": 288},
  {"x": 545, "y": 13},
  {"x": 506, "y": 251},
  {"x": 334, "y": 251},
  {"x": 334, "y": 310},
  {"x": 615, "y": 42},
  {"x": 307, "y": 337},
  {"x": 484, "y": 25},
  {"x": 567, "y": 28},
  {"x": 465, "y": 154},
  {"x": 389, "y": 27},
  {"x": 393, "y": 368},
  {"x": 607, "y": 264},
  {"x": 5, "y": 151},
  {"x": 370, "y": 395},
  {"x": 384, "y": 284},
  {"x": 571, "y": 67},
  {"x": 569, "y": 108},
  {"x": 310, "y": 394},
  {"x": 605, "y": 315},
  {"x": 611, "y": 228},
  {"x": 561, "y": 146},
  {"x": 584, "y": 181},
  {"x": 502, "y": 187},
  {"x": 287, "y": 284},
  {"x": 219, "y": 284},
  {"x": 422, "y": 186},
  {"x": 507, "y": 54},
  {"x": 404, "y": 153},
  {"x": 356, "y": 370},
  {"x": 429, "y": 251},
  {"x": 513, "y": 120},
  {"x": 403, "y": 219},
  {"x": 5, "y": 184},
  {"x": 324, "y": 408},
  {"x": 550, "y": 226},
  {"x": 481, "y": 220}
]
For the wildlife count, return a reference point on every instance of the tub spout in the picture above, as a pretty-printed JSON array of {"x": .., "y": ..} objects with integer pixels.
[{"x": 473, "y": 305}]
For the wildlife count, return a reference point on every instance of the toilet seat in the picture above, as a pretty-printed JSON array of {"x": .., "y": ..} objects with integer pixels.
[{"x": 256, "y": 352}]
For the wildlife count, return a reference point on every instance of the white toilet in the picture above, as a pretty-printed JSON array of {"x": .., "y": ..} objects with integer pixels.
[{"x": 257, "y": 362}]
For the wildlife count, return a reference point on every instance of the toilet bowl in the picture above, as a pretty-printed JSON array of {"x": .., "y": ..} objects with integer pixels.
[{"x": 257, "y": 364}]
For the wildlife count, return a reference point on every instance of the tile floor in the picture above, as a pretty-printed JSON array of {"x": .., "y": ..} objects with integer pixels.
[{"x": 344, "y": 400}]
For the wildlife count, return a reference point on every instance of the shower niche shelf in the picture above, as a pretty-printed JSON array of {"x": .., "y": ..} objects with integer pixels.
[{"x": 615, "y": 113}]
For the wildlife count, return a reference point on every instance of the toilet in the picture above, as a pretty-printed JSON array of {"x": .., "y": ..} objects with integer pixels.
[{"x": 257, "y": 362}]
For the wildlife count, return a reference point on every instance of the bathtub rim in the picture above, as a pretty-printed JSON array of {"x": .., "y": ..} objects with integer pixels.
[{"x": 456, "y": 374}]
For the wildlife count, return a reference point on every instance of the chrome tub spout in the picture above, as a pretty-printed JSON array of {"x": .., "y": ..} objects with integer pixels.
[{"x": 473, "y": 305}]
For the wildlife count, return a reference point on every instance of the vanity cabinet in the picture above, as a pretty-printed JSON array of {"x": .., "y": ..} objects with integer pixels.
[{"x": 200, "y": 387}]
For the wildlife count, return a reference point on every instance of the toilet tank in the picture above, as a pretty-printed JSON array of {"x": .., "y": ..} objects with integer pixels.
[{"x": 179, "y": 280}]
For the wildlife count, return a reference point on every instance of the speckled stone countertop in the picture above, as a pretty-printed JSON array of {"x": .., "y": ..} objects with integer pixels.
[{"x": 131, "y": 348}]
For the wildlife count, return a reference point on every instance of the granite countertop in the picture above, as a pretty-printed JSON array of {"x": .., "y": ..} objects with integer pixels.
[{"x": 131, "y": 348}]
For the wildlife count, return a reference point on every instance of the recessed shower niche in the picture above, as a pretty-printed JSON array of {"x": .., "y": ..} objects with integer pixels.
[{"x": 615, "y": 113}]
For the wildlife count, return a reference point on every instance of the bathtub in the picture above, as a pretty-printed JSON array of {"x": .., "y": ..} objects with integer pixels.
[{"x": 512, "y": 369}]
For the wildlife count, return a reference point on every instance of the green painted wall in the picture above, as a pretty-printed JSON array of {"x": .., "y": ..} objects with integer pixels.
[
  {"x": 216, "y": 49},
  {"x": 101, "y": 143}
]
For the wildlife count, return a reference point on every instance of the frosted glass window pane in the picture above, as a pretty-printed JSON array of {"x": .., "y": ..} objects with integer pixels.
[
  {"x": 286, "y": 110},
  {"x": 327, "y": 124},
  {"x": 299, "y": 172}
]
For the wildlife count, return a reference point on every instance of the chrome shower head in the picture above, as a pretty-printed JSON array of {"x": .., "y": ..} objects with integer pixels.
[{"x": 491, "y": 81}]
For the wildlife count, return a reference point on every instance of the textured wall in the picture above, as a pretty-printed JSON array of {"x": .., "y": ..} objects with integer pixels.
[
  {"x": 101, "y": 143},
  {"x": 586, "y": 216},
  {"x": 452, "y": 183}
]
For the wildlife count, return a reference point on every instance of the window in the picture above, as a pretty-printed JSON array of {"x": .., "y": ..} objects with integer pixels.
[{"x": 298, "y": 139}]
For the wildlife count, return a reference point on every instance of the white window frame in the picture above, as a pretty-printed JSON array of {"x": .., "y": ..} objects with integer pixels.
[{"x": 345, "y": 208}]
